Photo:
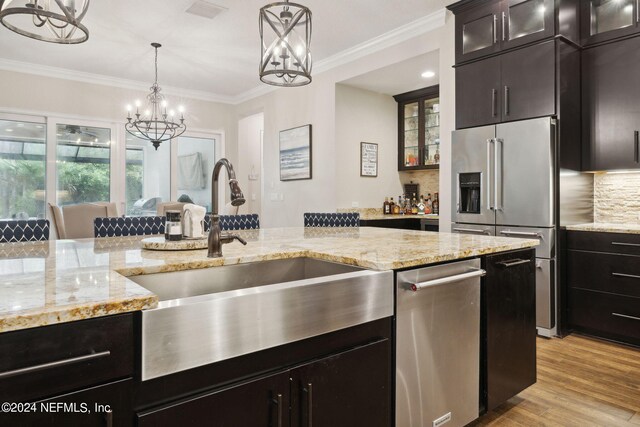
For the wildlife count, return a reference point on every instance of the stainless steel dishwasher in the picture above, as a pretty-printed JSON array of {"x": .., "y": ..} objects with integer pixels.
[{"x": 438, "y": 345}]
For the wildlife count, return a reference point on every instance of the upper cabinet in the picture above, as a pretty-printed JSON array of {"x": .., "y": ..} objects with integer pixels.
[
  {"x": 487, "y": 27},
  {"x": 419, "y": 129},
  {"x": 514, "y": 86},
  {"x": 608, "y": 19},
  {"x": 611, "y": 110}
]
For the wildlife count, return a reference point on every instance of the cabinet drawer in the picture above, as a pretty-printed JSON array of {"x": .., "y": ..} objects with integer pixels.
[
  {"x": 616, "y": 243},
  {"x": 607, "y": 315},
  {"x": 41, "y": 362},
  {"x": 618, "y": 274}
]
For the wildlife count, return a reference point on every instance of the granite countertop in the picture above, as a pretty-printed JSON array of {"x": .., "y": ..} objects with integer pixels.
[
  {"x": 65, "y": 280},
  {"x": 607, "y": 228}
]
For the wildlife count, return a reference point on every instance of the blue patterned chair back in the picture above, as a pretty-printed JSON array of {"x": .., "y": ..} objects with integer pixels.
[
  {"x": 128, "y": 226},
  {"x": 235, "y": 222},
  {"x": 27, "y": 230},
  {"x": 350, "y": 219}
]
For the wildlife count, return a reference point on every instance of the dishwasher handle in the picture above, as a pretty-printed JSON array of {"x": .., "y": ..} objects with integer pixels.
[{"x": 415, "y": 287}]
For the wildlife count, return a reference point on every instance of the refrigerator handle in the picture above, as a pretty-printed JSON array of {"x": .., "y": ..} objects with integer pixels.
[
  {"x": 489, "y": 183},
  {"x": 497, "y": 188}
]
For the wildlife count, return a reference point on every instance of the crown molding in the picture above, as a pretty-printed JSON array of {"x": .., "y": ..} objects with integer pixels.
[
  {"x": 79, "y": 76},
  {"x": 398, "y": 35},
  {"x": 391, "y": 38}
]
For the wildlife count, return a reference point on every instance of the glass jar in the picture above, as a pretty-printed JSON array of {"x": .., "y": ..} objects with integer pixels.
[{"x": 173, "y": 226}]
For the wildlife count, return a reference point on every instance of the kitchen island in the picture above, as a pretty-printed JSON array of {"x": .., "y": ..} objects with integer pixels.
[{"x": 72, "y": 311}]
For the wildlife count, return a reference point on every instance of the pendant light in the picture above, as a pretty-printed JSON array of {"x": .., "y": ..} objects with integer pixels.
[
  {"x": 55, "y": 21},
  {"x": 285, "y": 37}
]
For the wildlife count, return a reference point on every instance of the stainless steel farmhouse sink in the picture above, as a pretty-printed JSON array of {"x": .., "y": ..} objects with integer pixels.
[{"x": 212, "y": 314}]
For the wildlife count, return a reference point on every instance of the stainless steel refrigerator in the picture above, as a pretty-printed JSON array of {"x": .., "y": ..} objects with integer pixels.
[{"x": 504, "y": 179}]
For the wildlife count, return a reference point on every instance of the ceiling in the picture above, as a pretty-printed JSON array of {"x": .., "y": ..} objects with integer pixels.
[
  {"x": 400, "y": 77},
  {"x": 218, "y": 56}
]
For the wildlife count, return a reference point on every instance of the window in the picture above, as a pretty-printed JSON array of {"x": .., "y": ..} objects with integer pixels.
[
  {"x": 148, "y": 177},
  {"x": 83, "y": 163},
  {"x": 196, "y": 159},
  {"x": 22, "y": 169}
]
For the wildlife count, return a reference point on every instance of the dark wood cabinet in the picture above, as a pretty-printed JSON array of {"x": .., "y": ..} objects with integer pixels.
[
  {"x": 419, "y": 129},
  {"x": 41, "y": 362},
  {"x": 603, "y": 277},
  {"x": 516, "y": 85},
  {"x": 489, "y": 27},
  {"x": 611, "y": 106},
  {"x": 259, "y": 402},
  {"x": 348, "y": 389},
  {"x": 101, "y": 406},
  {"x": 509, "y": 326},
  {"x": 343, "y": 390},
  {"x": 604, "y": 20}
]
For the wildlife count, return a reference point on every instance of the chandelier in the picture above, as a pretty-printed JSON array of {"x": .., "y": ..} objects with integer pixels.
[
  {"x": 156, "y": 123},
  {"x": 285, "y": 37},
  {"x": 55, "y": 21}
]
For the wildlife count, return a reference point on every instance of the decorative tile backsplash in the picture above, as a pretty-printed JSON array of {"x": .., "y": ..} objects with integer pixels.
[
  {"x": 429, "y": 180},
  {"x": 617, "y": 198}
]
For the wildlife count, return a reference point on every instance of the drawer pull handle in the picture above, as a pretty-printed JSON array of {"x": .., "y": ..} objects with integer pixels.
[
  {"x": 521, "y": 233},
  {"x": 471, "y": 230},
  {"x": 56, "y": 364},
  {"x": 415, "y": 287},
  {"x": 513, "y": 263},
  {"x": 631, "y": 276},
  {"x": 635, "y": 245},
  {"x": 626, "y": 316}
]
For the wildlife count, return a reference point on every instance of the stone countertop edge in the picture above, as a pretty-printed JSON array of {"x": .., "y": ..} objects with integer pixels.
[
  {"x": 53, "y": 292},
  {"x": 606, "y": 228}
]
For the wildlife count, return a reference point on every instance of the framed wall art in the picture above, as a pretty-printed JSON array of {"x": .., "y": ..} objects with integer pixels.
[
  {"x": 295, "y": 153},
  {"x": 368, "y": 159}
]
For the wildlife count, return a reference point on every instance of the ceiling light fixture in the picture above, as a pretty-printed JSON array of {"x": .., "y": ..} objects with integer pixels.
[
  {"x": 54, "y": 21},
  {"x": 285, "y": 38},
  {"x": 156, "y": 124},
  {"x": 428, "y": 74}
]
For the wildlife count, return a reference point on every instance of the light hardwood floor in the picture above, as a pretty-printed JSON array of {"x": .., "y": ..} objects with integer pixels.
[{"x": 581, "y": 382}]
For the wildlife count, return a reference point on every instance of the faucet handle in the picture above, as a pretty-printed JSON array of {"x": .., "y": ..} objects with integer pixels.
[{"x": 239, "y": 239}]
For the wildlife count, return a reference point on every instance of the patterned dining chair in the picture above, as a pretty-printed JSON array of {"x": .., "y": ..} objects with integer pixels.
[
  {"x": 28, "y": 230},
  {"x": 349, "y": 219},
  {"x": 235, "y": 222},
  {"x": 128, "y": 226}
]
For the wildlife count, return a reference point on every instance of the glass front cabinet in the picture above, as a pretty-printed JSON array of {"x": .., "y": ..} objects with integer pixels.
[
  {"x": 419, "y": 129},
  {"x": 488, "y": 27},
  {"x": 607, "y": 19}
]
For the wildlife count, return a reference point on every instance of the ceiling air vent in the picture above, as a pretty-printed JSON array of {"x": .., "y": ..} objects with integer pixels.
[{"x": 205, "y": 9}]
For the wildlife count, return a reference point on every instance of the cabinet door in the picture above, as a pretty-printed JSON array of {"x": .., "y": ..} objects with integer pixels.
[
  {"x": 510, "y": 325},
  {"x": 528, "y": 82},
  {"x": 477, "y": 31},
  {"x": 410, "y": 135},
  {"x": 349, "y": 389},
  {"x": 477, "y": 93},
  {"x": 611, "y": 104},
  {"x": 608, "y": 19},
  {"x": 526, "y": 21},
  {"x": 104, "y": 406},
  {"x": 261, "y": 403}
]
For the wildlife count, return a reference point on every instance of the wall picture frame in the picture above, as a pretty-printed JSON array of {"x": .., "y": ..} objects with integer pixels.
[
  {"x": 296, "y": 153},
  {"x": 368, "y": 159}
]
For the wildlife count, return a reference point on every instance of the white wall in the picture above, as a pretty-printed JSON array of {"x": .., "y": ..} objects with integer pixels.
[
  {"x": 365, "y": 116},
  {"x": 316, "y": 104},
  {"x": 250, "y": 158}
]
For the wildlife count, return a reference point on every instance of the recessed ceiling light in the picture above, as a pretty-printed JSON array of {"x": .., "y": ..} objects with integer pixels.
[
  {"x": 9, "y": 130},
  {"x": 428, "y": 74}
]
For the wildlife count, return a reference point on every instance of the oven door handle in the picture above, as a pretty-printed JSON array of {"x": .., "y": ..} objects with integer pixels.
[{"x": 415, "y": 287}]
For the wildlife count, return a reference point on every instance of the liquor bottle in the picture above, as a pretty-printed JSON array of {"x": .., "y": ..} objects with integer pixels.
[
  {"x": 414, "y": 205},
  {"x": 395, "y": 207},
  {"x": 421, "y": 205},
  {"x": 407, "y": 206},
  {"x": 436, "y": 204},
  {"x": 386, "y": 206},
  {"x": 428, "y": 204}
]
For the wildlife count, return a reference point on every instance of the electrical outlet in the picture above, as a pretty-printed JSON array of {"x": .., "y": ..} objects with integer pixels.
[{"x": 355, "y": 204}]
